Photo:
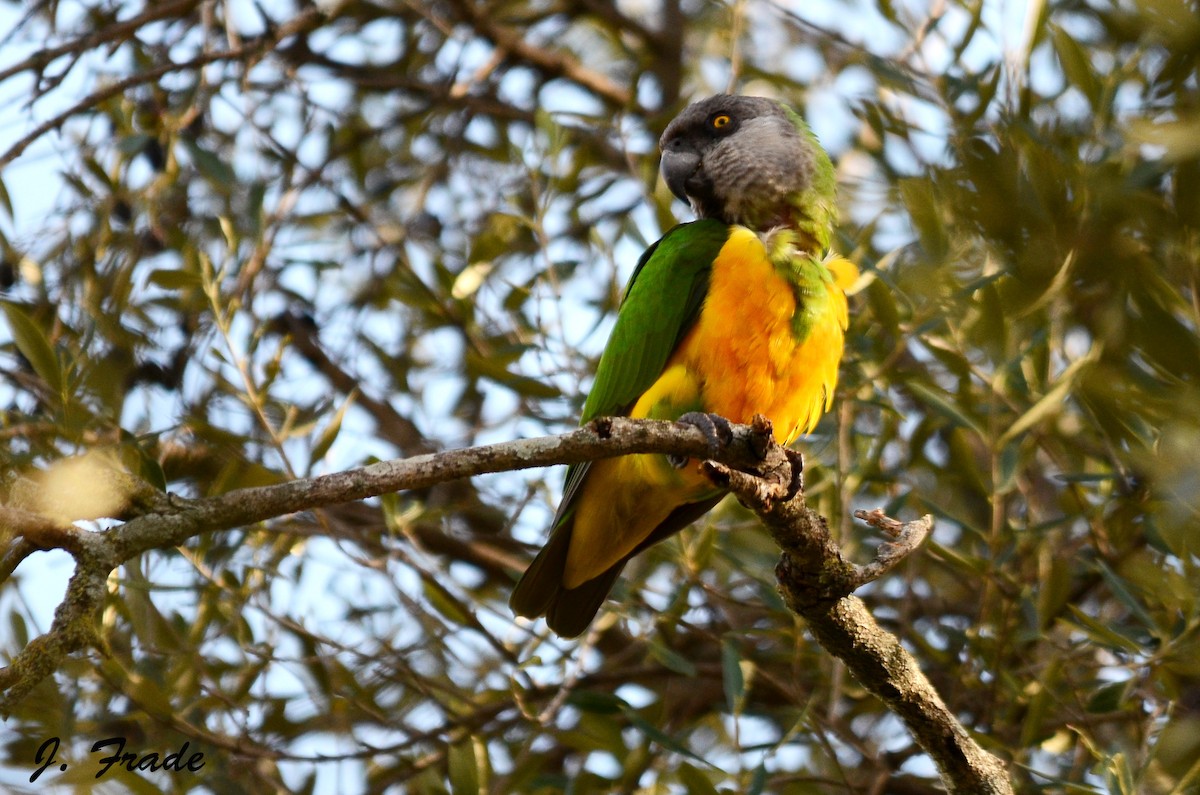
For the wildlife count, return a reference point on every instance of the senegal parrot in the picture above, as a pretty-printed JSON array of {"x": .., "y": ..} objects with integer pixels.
[{"x": 741, "y": 312}]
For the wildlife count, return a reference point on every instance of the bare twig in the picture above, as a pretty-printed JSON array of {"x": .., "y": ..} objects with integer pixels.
[
  {"x": 300, "y": 23},
  {"x": 113, "y": 32},
  {"x": 552, "y": 62}
]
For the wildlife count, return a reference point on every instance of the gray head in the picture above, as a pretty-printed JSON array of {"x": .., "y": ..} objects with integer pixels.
[{"x": 746, "y": 160}]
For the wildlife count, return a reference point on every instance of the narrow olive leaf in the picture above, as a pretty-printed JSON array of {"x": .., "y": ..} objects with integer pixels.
[
  {"x": 922, "y": 205},
  {"x": 212, "y": 167},
  {"x": 1076, "y": 64},
  {"x": 133, "y": 144},
  {"x": 1107, "y": 698},
  {"x": 694, "y": 781},
  {"x": 228, "y": 231},
  {"x": 34, "y": 346},
  {"x": 463, "y": 768},
  {"x": 254, "y": 207},
  {"x": 137, "y": 460},
  {"x": 1120, "y": 589},
  {"x": 731, "y": 672},
  {"x": 18, "y": 630},
  {"x": 521, "y": 384},
  {"x": 174, "y": 279},
  {"x": 1053, "y": 401},
  {"x": 330, "y": 434},
  {"x": 1121, "y": 774},
  {"x": 660, "y": 737},
  {"x": 446, "y": 604},
  {"x": 672, "y": 659},
  {"x": 97, "y": 171},
  {"x": 1009, "y": 467},
  {"x": 758, "y": 782},
  {"x": 945, "y": 407},
  {"x": 6, "y": 200},
  {"x": 1055, "y": 288},
  {"x": 1103, "y": 634},
  {"x": 596, "y": 701}
]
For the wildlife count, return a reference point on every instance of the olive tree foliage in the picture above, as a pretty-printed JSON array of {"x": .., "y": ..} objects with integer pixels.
[{"x": 292, "y": 238}]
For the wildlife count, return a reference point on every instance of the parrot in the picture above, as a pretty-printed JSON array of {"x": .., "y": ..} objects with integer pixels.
[{"x": 740, "y": 312}]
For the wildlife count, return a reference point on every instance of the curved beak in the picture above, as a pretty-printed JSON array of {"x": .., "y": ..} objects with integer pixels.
[{"x": 678, "y": 166}]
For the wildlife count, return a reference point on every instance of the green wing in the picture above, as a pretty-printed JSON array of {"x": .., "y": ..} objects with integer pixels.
[{"x": 661, "y": 304}]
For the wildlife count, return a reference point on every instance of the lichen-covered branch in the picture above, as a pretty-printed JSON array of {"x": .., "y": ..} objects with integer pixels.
[
  {"x": 815, "y": 579},
  {"x": 817, "y": 582},
  {"x": 156, "y": 520}
]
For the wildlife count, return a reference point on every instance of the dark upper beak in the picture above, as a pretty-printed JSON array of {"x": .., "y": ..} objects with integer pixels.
[{"x": 679, "y": 163}]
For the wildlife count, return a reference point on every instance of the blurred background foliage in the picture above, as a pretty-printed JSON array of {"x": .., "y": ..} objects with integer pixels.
[{"x": 243, "y": 242}]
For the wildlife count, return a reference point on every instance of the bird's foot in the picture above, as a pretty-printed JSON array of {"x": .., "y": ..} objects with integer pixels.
[{"x": 716, "y": 431}]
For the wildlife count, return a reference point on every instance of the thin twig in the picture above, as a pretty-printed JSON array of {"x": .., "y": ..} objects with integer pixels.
[{"x": 153, "y": 75}]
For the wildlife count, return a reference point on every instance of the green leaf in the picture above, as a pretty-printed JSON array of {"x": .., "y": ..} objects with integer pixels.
[
  {"x": 462, "y": 759},
  {"x": 5, "y": 199},
  {"x": 330, "y": 434},
  {"x": 134, "y": 144},
  {"x": 210, "y": 166},
  {"x": 758, "y": 782},
  {"x": 35, "y": 346},
  {"x": 1120, "y": 774},
  {"x": 99, "y": 173},
  {"x": 18, "y": 631},
  {"x": 596, "y": 701},
  {"x": 1120, "y": 589},
  {"x": 655, "y": 734},
  {"x": 694, "y": 781},
  {"x": 254, "y": 208},
  {"x": 1076, "y": 64},
  {"x": 1051, "y": 403},
  {"x": 1108, "y": 698},
  {"x": 731, "y": 673},
  {"x": 521, "y": 384},
  {"x": 446, "y": 604},
  {"x": 598, "y": 732},
  {"x": 671, "y": 659},
  {"x": 174, "y": 279},
  {"x": 922, "y": 205},
  {"x": 943, "y": 406},
  {"x": 1103, "y": 634}
]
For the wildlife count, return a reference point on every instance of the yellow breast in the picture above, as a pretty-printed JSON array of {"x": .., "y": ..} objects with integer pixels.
[
  {"x": 744, "y": 351},
  {"x": 740, "y": 359}
]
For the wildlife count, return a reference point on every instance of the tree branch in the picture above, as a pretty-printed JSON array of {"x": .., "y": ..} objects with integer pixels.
[
  {"x": 114, "y": 32},
  {"x": 163, "y": 521},
  {"x": 550, "y": 62},
  {"x": 816, "y": 583},
  {"x": 302, "y": 22},
  {"x": 814, "y": 579}
]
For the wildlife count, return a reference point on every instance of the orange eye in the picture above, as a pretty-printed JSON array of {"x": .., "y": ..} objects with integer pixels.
[{"x": 720, "y": 121}]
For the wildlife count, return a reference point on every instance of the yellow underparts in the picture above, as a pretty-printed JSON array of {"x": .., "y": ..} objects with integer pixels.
[{"x": 741, "y": 358}]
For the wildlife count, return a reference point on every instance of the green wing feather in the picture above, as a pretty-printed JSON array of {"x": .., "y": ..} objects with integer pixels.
[{"x": 661, "y": 304}]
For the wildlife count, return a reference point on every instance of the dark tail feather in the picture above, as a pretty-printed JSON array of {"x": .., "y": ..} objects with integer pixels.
[
  {"x": 572, "y": 610},
  {"x": 569, "y": 611},
  {"x": 539, "y": 591},
  {"x": 541, "y": 582}
]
